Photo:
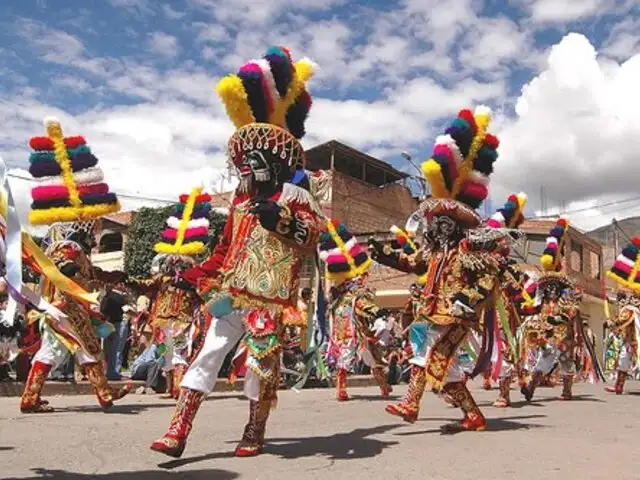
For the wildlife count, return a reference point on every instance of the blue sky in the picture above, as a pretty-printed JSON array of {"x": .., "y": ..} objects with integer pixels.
[{"x": 136, "y": 77}]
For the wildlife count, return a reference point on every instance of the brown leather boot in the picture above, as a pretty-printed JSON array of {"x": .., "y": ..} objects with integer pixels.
[
  {"x": 381, "y": 380},
  {"x": 252, "y": 441},
  {"x": 486, "y": 382},
  {"x": 619, "y": 386},
  {"x": 175, "y": 440},
  {"x": 31, "y": 401},
  {"x": 473, "y": 420},
  {"x": 341, "y": 385},
  {"x": 504, "y": 399},
  {"x": 409, "y": 407},
  {"x": 567, "y": 384}
]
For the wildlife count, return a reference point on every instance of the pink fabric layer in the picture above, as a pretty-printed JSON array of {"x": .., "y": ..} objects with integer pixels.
[
  {"x": 171, "y": 233},
  {"x": 58, "y": 192}
]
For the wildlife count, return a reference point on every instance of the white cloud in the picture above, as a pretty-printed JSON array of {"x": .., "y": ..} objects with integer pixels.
[
  {"x": 564, "y": 10},
  {"x": 576, "y": 131},
  {"x": 163, "y": 44},
  {"x": 172, "y": 14}
]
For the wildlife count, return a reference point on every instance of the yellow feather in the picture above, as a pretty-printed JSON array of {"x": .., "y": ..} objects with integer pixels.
[
  {"x": 235, "y": 99},
  {"x": 433, "y": 174},
  {"x": 305, "y": 69}
]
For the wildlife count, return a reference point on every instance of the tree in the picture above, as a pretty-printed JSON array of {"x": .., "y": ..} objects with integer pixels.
[{"x": 146, "y": 230}]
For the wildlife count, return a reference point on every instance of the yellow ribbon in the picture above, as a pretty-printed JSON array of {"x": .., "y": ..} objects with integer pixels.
[{"x": 50, "y": 271}]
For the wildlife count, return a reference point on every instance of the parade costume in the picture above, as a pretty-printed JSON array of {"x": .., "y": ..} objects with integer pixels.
[
  {"x": 70, "y": 191},
  {"x": 558, "y": 328},
  {"x": 175, "y": 315},
  {"x": 356, "y": 322},
  {"x": 625, "y": 328},
  {"x": 254, "y": 271},
  {"x": 457, "y": 268},
  {"x": 512, "y": 298}
]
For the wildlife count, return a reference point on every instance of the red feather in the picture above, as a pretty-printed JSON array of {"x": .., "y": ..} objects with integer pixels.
[
  {"x": 72, "y": 142},
  {"x": 41, "y": 143},
  {"x": 636, "y": 241},
  {"x": 467, "y": 115},
  {"x": 491, "y": 141}
]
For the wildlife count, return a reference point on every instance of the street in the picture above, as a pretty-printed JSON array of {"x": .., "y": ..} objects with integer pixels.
[{"x": 310, "y": 435}]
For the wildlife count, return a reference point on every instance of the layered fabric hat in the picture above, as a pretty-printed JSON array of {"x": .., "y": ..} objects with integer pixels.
[
  {"x": 459, "y": 169},
  {"x": 70, "y": 184},
  {"x": 268, "y": 102},
  {"x": 511, "y": 215},
  {"x": 626, "y": 268},
  {"x": 342, "y": 253},
  {"x": 187, "y": 230}
]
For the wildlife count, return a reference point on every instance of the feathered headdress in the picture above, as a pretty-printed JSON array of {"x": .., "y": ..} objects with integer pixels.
[
  {"x": 71, "y": 185},
  {"x": 626, "y": 269},
  {"x": 460, "y": 167},
  {"x": 187, "y": 229},
  {"x": 342, "y": 253},
  {"x": 511, "y": 215},
  {"x": 268, "y": 102},
  {"x": 551, "y": 259}
]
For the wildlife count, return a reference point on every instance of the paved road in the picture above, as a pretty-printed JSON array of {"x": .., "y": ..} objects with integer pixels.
[{"x": 311, "y": 436}]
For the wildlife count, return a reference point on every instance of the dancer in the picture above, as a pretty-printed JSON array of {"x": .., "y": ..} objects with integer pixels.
[
  {"x": 357, "y": 324},
  {"x": 458, "y": 272},
  {"x": 626, "y": 326},
  {"x": 559, "y": 301},
  {"x": 72, "y": 193},
  {"x": 274, "y": 223},
  {"x": 175, "y": 314}
]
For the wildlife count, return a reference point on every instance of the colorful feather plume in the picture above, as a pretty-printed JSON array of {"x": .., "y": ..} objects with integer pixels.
[
  {"x": 511, "y": 215},
  {"x": 340, "y": 250},
  {"x": 404, "y": 240},
  {"x": 187, "y": 229},
  {"x": 626, "y": 268},
  {"x": 270, "y": 90},
  {"x": 463, "y": 159},
  {"x": 551, "y": 259}
]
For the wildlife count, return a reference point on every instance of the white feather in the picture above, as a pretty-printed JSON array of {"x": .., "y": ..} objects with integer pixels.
[
  {"x": 268, "y": 75},
  {"x": 51, "y": 120},
  {"x": 84, "y": 177},
  {"x": 482, "y": 110}
]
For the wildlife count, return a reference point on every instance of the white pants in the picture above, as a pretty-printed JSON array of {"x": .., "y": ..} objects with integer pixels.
[
  {"x": 223, "y": 334},
  {"x": 455, "y": 371},
  {"x": 625, "y": 358},
  {"x": 53, "y": 352},
  {"x": 548, "y": 356}
]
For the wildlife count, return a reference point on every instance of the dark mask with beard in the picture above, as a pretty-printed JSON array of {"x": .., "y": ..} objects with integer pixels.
[
  {"x": 443, "y": 232},
  {"x": 262, "y": 173}
]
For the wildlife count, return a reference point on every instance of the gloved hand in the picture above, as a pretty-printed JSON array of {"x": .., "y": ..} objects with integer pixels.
[
  {"x": 267, "y": 211},
  {"x": 375, "y": 248}
]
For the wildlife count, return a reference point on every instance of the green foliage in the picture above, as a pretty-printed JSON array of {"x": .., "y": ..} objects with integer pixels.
[{"x": 146, "y": 230}]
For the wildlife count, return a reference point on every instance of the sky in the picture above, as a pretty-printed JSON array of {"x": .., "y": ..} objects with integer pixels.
[{"x": 137, "y": 78}]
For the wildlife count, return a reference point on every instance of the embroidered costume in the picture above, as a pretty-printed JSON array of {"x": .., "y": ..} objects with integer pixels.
[
  {"x": 253, "y": 273},
  {"x": 175, "y": 315},
  {"x": 557, "y": 327},
  {"x": 625, "y": 328},
  {"x": 358, "y": 327},
  {"x": 457, "y": 270},
  {"x": 70, "y": 188}
]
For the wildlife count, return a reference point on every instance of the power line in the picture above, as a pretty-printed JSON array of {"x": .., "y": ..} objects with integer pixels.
[{"x": 585, "y": 209}]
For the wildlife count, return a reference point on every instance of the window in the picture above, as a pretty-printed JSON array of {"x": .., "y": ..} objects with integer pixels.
[
  {"x": 575, "y": 259},
  {"x": 534, "y": 248},
  {"x": 594, "y": 264}
]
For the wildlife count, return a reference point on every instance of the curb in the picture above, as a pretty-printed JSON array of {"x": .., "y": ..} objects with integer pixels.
[{"x": 54, "y": 388}]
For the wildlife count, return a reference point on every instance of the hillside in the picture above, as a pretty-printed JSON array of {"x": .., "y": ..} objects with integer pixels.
[{"x": 604, "y": 234}]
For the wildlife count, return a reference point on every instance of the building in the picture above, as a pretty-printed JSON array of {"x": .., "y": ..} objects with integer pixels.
[{"x": 111, "y": 238}]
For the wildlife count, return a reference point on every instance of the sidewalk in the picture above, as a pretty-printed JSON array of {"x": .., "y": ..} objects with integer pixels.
[{"x": 15, "y": 389}]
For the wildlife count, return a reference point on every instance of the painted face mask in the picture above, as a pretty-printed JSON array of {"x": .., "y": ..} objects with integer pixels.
[{"x": 442, "y": 231}]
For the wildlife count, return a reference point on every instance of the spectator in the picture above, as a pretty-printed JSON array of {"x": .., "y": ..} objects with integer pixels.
[
  {"x": 111, "y": 307},
  {"x": 147, "y": 366}
]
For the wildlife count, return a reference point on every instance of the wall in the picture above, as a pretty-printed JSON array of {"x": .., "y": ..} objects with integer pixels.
[{"x": 365, "y": 208}]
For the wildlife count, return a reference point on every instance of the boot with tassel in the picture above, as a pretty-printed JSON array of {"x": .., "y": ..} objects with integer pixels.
[
  {"x": 409, "y": 407},
  {"x": 175, "y": 440},
  {"x": 619, "y": 386},
  {"x": 31, "y": 401},
  {"x": 381, "y": 380},
  {"x": 473, "y": 420},
  {"x": 529, "y": 389},
  {"x": 341, "y": 385},
  {"x": 504, "y": 398}
]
